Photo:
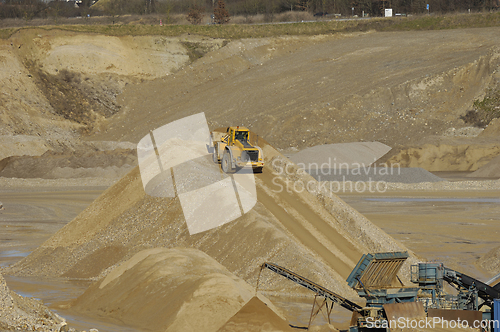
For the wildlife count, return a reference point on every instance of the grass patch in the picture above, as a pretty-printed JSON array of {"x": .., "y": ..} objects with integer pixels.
[
  {"x": 6, "y": 33},
  {"x": 238, "y": 31}
]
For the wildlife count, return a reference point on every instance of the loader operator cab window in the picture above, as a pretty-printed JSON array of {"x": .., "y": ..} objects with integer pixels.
[{"x": 241, "y": 136}]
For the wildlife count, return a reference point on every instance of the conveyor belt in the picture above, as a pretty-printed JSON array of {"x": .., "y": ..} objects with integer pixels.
[
  {"x": 484, "y": 291},
  {"x": 319, "y": 290}
]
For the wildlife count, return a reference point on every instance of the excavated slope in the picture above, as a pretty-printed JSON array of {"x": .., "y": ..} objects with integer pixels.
[
  {"x": 313, "y": 233},
  {"x": 397, "y": 88}
]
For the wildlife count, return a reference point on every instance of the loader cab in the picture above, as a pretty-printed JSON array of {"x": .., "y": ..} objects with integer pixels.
[
  {"x": 241, "y": 136},
  {"x": 237, "y": 134}
]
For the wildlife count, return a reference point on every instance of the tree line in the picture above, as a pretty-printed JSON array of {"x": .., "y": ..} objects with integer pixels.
[{"x": 37, "y": 8}]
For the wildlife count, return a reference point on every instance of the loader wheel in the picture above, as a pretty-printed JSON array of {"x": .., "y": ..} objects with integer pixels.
[
  {"x": 215, "y": 156},
  {"x": 226, "y": 162}
]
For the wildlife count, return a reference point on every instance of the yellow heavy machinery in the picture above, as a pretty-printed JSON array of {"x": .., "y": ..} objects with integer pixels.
[{"x": 233, "y": 150}]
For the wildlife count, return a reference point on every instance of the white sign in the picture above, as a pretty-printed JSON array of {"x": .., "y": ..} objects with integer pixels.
[{"x": 388, "y": 12}]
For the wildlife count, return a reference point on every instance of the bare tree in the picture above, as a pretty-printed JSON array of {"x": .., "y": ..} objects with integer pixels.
[
  {"x": 195, "y": 15},
  {"x": 221, "y": 15}
]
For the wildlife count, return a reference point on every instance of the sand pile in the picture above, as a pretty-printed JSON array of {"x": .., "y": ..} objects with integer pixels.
[
  {"x": 255, "y": 316},
  {"x": 491, "y": 261},
  {"x": 311, "y": 232},
  {"x": 490, "y": 170},
  {"x": 26, "y": 314},
  {"x": 173, "y": 290}
]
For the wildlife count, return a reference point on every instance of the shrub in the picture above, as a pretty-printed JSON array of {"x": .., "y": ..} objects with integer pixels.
[
  {"x": 195, "y": 15},
  {"x": 221, "y": 15}
]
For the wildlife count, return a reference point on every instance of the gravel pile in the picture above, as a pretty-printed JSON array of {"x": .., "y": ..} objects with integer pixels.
[
  {"x": 376, "y": 174},
  {"x": 463, "y": 132}
]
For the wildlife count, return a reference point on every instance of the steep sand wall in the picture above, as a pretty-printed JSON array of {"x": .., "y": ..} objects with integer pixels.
[
  {"x": 28, "y": 125},
  {"x": 313, "y": 233}
]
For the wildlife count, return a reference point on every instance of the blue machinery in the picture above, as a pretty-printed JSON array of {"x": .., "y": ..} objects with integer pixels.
[
  {"x": 375, "y": 279},
  {"x": 430, "y": 277}
]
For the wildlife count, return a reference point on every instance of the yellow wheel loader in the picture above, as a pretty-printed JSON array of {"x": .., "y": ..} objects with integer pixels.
[{"x": 233, "y": 150}]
